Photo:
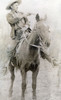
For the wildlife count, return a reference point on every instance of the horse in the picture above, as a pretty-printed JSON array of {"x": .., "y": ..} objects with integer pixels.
[{"x": 27, "y": 57}]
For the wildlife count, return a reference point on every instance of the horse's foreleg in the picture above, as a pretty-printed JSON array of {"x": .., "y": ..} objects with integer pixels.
[
  {"x": 23, "y": 73},
  {"x": 34, "y": 81},
  {"x": 11, "y": 68}
]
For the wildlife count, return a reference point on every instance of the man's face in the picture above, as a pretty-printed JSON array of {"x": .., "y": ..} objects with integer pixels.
[{"x": 15, "y": 6}]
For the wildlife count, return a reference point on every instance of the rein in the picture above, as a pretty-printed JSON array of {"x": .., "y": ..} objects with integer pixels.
[{"x": 32, "y": 44}]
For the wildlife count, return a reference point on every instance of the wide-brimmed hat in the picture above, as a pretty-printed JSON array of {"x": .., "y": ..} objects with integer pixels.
[{"x": 12, "y": 2}]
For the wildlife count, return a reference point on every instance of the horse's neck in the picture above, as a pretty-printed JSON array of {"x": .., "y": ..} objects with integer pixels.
[
  {"x": 32, "y": 38},
  {"x": 33, "y": 50}
]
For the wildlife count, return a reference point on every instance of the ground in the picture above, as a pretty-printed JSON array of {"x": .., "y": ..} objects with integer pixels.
[{"x": 47, "y": 84}]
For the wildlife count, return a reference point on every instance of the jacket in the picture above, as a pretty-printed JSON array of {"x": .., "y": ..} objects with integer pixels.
[{"x": 15, "y": 21}]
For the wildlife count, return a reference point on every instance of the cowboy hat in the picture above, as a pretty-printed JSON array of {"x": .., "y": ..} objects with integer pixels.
[{"x": 12, "y": 2}]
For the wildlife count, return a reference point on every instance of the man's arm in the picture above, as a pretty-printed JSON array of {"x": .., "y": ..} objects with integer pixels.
[{"x": 12, "y": 20}]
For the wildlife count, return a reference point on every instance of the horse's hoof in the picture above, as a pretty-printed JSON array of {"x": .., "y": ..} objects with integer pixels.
[
  {"x": 10, "y": 93},
  {"x": 34, "y": 97},
  {"x": 22, "y": 98}
]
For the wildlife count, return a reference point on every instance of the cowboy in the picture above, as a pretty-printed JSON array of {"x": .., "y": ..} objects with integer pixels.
[{"x": 17, "y": 21}]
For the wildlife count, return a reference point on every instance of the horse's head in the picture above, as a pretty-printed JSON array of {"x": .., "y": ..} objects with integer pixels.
[
  {"x": 43, "y": 33},
  {"x": 40, "y": 34}
]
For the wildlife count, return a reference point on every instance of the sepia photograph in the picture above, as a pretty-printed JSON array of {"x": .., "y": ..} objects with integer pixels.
[{"x": 30, "y": 50}]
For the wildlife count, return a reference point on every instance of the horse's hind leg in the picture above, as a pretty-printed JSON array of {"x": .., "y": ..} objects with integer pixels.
[
  {"x": 11, "y": 68},
  {"x": 34, "y": 81}
]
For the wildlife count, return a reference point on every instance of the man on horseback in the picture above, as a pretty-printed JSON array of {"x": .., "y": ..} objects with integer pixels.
[{"x": 27, "y": 57}]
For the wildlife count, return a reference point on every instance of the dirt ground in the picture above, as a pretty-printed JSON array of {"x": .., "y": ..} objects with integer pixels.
[{"x": 47, "y": 84}]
